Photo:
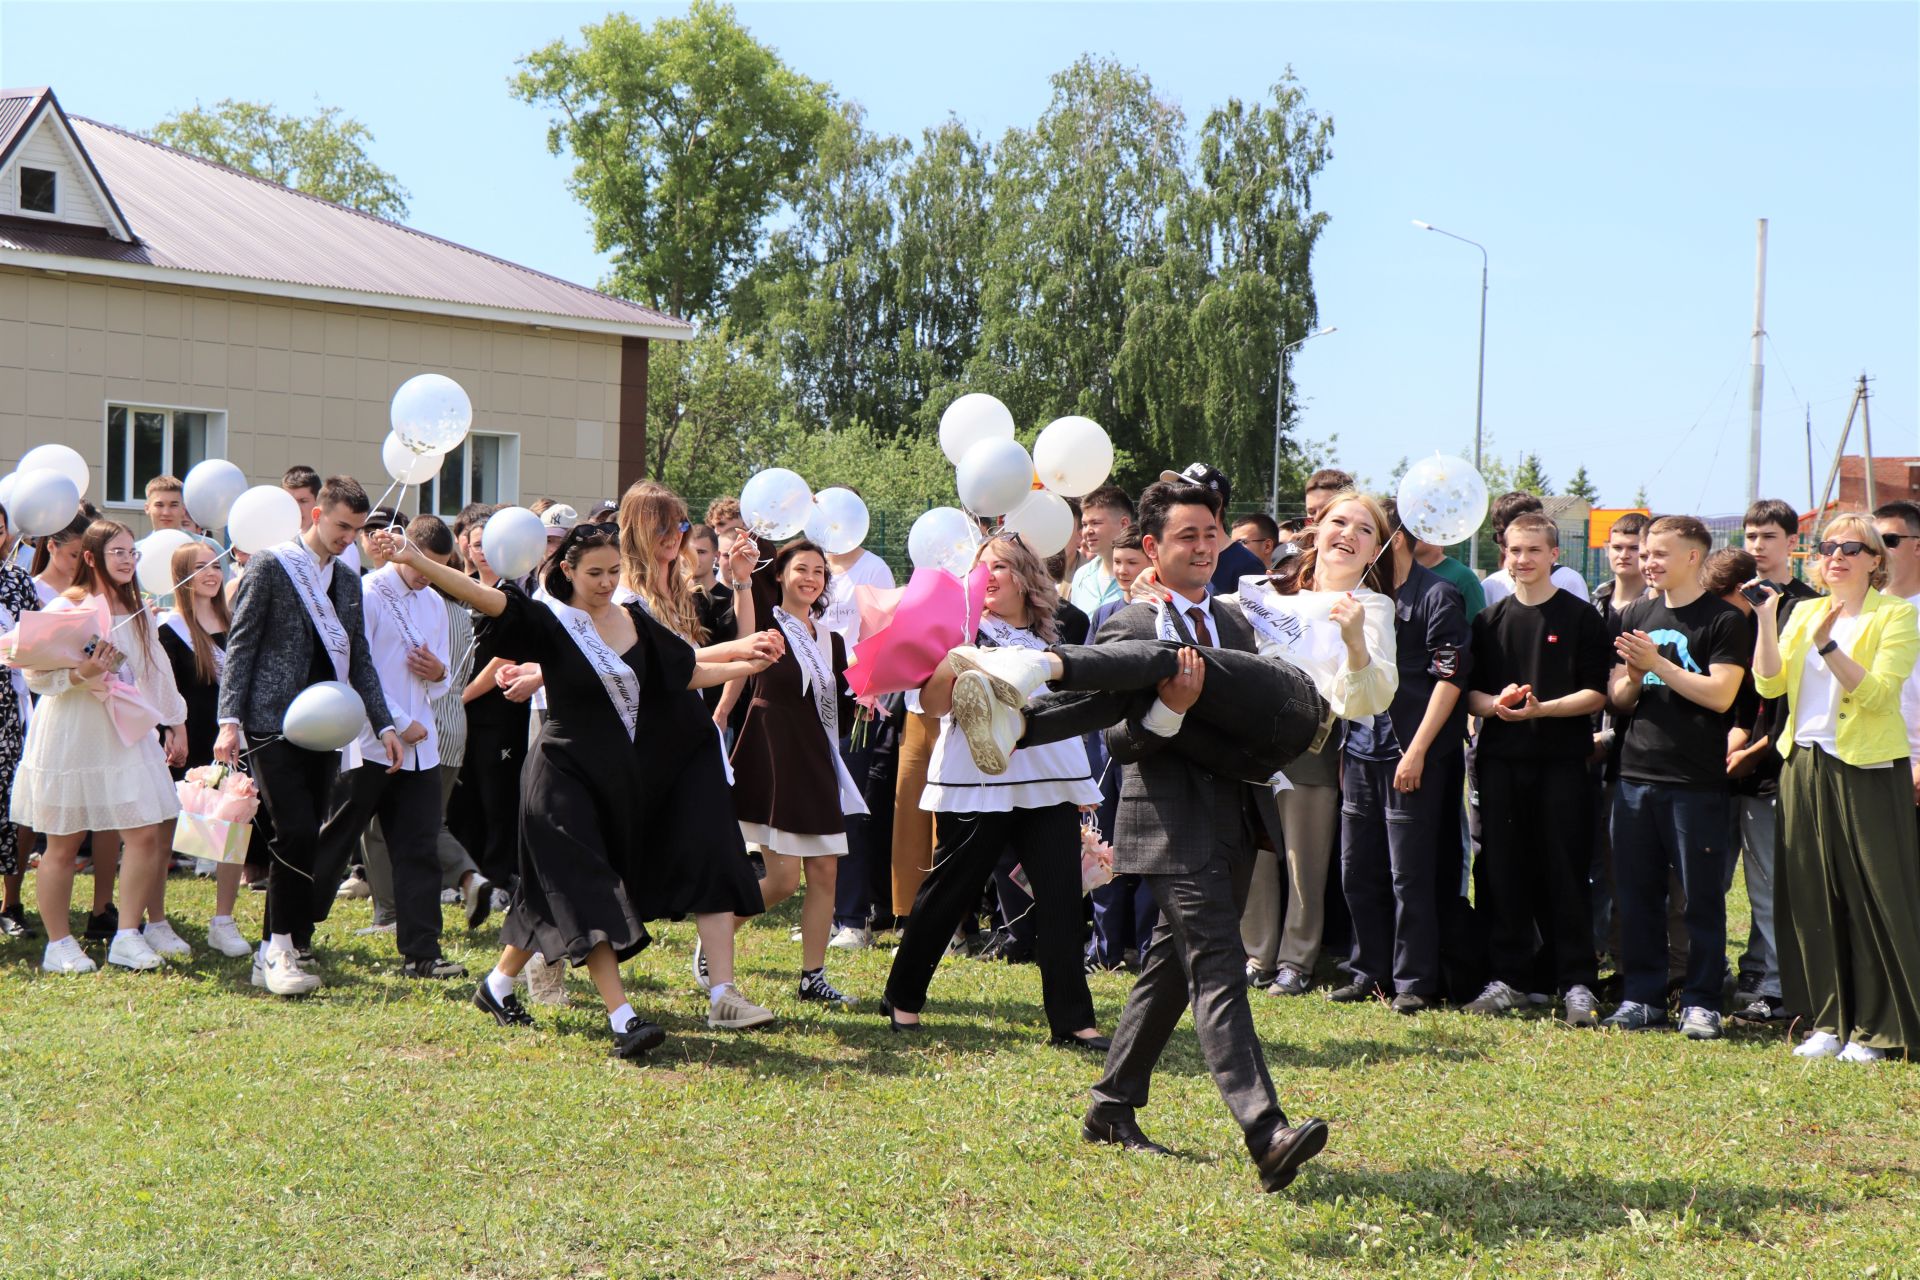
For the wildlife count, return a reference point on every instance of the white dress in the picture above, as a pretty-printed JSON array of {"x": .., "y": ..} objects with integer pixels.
[{"x": 76, "y": 775}]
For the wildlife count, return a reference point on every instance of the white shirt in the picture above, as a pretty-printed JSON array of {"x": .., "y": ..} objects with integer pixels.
[
  {"x": 843, "y": 614},
  {"x": 385, "y": 602},
  {"x": 1816, "y": 719},
  {"x": 1910, "y": 706},
  {"x": 1498, "y": 586},
  {"x": 1161, "y": 720}
]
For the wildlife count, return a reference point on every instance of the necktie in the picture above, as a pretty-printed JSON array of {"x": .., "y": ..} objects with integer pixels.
[{"x": 1201, "y": 636}]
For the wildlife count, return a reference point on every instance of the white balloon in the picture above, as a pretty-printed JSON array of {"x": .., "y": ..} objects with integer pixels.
[
  {"x": 264, "y": 516},
  {"x": 1073, "y": 455},
  {"x": 406, "y": 466},
  {"x": 58, "y": 457},
  {"x": 431, "y": 413},
  {"x": 943, "y": 538},
  {"x": 6, "y": 489},
  {"x": 838, "y": 521},
  {"x": 972, "y": 418},
  {"x": 211, "y": 489},
  {"x": 775, "y": 503},
  {"x": 1044, "y": 522},
  {"x": 325, "y": 716},
  {"x": 514, "y": 542},
  {"x": 995, "y": 477},
  {"x": 154, "y": 569},
  {"x": 43, "y": 501},
  {"x": 1442, "y": 500}
]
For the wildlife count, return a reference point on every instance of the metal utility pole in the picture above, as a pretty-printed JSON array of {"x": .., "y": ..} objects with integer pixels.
[
  {"x": 1759, "y": 364},
  {"x": 1857, "y": 404},
  {"x": 1866, "y": 437},
  {"x": 1809, "y": 458},
  {"x": 1280, "y": 414},
  {"x": 1480, "y": 386}
]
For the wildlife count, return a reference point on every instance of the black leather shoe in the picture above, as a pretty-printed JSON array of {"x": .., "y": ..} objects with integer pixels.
[
  {"x": 1123, "y": 1133},
  {"x": 508, "y": 1013},
  {"x": 894, "y": 1024},
  {"x": 1409, "y": 1003},
  {"x": 1092, "y": 1044},
  {"x": 1358, "y": 991},
  {"x": 639, "y": 1037},
  {"x": 102, "y": 927},
  {"x": 437, "y": 967},
  {"x": 1287, "y": 1150}
]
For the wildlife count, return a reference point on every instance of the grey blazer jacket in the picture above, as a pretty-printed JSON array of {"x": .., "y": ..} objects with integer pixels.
[
  {"x": 271, "y": 646},
  {"x": 1180, "y": 796}
]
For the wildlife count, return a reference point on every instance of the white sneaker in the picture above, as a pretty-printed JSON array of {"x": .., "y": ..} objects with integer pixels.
[
  {"x": 700, "y": 978},
  {"x": 546, "y": 982},
  {"x": 224, "y": 936},
  {"x": 448, "y": 897},
  {"x": 848, "y": 938},
  {"x": 165, "y": 942},
  {"x": 65, "y": 956},
  {"x": 259, "y": 970},
  {"x": 354, "y": 887},
  {"x": 203, "y": 868},
  {"x": 1014, "y": 674},
  {"x": 1857, "y": 1052},
  {"x": 734, "y": 1012},
  {"x": 1821, "y": 1044},
  {"x": 130, "y": 951},
  {"x": 285, "y": 977},
  {"x": 374, "y": 929},
  {"x": 500, "y": 899},
  {"x": 991, "y": 727}
]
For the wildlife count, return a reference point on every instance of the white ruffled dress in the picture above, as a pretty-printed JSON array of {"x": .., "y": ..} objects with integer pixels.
[{"x": 75, "y": 774}]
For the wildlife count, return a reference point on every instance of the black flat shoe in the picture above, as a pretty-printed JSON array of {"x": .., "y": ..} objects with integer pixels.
[
  {"x": 1122, "y": 1133},
  {"x": 1092, "y": 1044},
  {"x": 508, "y": 1013},
  {"x": 102, "y": 927},
  {"x": 438, "y": 967},
  {"x": 640, "y": 1037},
  {"x": 1287, "y": 1150},
  {"x": 898, "y": 1027},
  {"x": 1359, "y": 992}
]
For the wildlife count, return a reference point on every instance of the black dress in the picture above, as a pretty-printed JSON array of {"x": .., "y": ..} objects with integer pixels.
[
  {"x": 785, "y": 776},
  {"x": 202, "y": 698}
]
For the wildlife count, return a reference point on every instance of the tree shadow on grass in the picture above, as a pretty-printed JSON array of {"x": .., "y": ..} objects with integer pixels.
[{"x": 1453, "y": 1205}]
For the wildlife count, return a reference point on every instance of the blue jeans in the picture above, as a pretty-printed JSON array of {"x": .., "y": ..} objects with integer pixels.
[{"x": 1657, "y": 827}]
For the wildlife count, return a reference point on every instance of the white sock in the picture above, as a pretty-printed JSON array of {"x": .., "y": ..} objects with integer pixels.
[
  {"x": 221, "y": 920},
  {"x": 263, "y": 951},
  {"x": 622, "y": 1018},
  {"x": 280, "y": 942},
  {"x": 719, "y": 989},
  {"x": 126, "y": 933},
  {"x": 499, "y": 984}
]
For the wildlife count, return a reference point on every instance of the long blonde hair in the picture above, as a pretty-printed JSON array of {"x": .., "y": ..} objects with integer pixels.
[
  {"x": 646, "y": 508},
  {"x": 184, "y": 602},
  {"x": 1036, "y": 586}
]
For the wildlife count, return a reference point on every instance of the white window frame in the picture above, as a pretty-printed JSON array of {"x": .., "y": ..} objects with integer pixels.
[
  {"x": 509, "y": 478},
  {"x": 216, "y": 445},
  {"x": 20, "y": 191}
]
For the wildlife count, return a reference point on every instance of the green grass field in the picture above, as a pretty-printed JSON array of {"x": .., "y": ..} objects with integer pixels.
[{"x": 185, "y": 1124}]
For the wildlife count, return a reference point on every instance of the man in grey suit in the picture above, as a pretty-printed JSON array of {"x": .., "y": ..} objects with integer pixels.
[
  {"x": 1187, "y": 812},
  {"x": 294, "y": 603}
]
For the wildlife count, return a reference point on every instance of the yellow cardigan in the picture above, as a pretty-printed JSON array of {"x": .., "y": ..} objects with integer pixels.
[{"x": 1870, "y": 727}]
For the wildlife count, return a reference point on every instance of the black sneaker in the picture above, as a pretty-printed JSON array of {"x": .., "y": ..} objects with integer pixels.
[
  {"x": 13, "y": 923},
  {"x": 508, "y": 1013},
  {"x": 1759, "y": 1010},
  {"x": 1409, "y": 1003},
  {"x": 1359, "y": 991},
  {"x": 102, "y": 927},
  {"x": 437, "y": 967},
  {"x": 815, "y": 987},
  {"x": 639, "y": 1037}
]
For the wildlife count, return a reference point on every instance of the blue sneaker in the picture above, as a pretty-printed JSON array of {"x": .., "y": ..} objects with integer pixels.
[{"x": 1634, "y": 1016}]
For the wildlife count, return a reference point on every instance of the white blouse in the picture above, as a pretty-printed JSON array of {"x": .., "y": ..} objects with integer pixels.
[{"x": 1300, "y": 629}]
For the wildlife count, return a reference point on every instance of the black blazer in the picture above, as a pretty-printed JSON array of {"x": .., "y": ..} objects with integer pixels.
[{"x": 272, "y": 648}]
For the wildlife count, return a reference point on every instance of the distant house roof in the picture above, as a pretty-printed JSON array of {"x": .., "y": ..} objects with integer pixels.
[
  {"x": 20, "y": 111},
  {"x": 202, "y": 224}
]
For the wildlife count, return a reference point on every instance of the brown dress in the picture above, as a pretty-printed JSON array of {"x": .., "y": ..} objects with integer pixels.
[{"x": 785, "y": 781}]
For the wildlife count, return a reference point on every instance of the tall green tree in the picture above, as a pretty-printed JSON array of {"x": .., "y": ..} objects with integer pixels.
[
  {"x": 685, "y": 135},
  {"x": 942, "y": 201},
  {"x": 715, "y": 405},
  {"x": 324, "y": 154},
  {"x": 1582, "y": 486},
  {"x": 1531, "y": 476}
]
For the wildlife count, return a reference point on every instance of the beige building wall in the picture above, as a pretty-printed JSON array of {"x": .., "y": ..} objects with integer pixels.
[{"x": 300, "y": 382}]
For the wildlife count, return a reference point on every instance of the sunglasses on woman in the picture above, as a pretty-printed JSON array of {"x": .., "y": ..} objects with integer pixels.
[
  {"x": 669, "y": 530},
  {"x": 1830, "y": 548}
]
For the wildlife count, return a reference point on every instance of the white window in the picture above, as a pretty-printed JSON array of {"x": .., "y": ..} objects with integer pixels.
[
  {"x": 484, "y": 468},
  {"x": 144, "y": 441}
]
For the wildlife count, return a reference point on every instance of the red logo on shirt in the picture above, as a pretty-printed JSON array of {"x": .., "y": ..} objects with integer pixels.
[{"x": 1553, "y": 639}]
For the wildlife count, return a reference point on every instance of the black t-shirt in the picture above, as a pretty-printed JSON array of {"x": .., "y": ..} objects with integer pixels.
[
  {"x": 1674, "y": 741},
  {"x": 1432, "y": 643},
  {"x": 1560, "y": 648}
]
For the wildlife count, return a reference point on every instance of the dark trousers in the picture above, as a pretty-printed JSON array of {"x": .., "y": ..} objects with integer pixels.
[
  {"x": 1389, "y": 858},
  {"x": 408, "y": 806},
  {"x": 1196, "y": 958},
  {"x": 484, "y": 813},
  {"x": 1657, "y": 827},
  {"x": 967, "y": 848},
  {"x": 1536, "y": 837},
  {"x": 853, "y": 887},
  {"x": 1258, "y": 713},
  {"x": 1463, "y": 950},
  {"x": 295, "y": 785}
]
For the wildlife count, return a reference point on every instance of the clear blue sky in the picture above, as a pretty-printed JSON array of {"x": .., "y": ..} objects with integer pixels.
[{"x": 1612, "y": 158}]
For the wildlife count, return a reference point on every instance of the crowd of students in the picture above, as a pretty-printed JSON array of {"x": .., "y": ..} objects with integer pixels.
[{"x": 1514, "y": 789}]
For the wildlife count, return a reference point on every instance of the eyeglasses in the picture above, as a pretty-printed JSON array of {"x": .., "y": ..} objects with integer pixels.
[
  {"x": 122, "y": 553},
  {"x": 1831, "y": 549}
]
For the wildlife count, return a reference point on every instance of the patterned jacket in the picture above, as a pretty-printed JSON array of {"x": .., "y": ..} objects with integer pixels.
[{"x": 271, "y": 648}]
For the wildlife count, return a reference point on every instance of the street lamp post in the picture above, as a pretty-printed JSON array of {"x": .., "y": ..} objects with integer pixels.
[
  {"x": 1480, "y": 389},
  {"x": 1280, "y": 413}
]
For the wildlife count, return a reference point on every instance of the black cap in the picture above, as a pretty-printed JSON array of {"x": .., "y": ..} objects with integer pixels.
[{"x": 1203, "y": 475}]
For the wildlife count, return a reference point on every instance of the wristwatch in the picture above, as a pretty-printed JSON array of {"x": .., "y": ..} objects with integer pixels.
[{"x": 1827, "y": 648}]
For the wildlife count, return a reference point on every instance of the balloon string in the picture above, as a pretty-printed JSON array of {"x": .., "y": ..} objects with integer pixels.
[{"x": 148, "y": 607}]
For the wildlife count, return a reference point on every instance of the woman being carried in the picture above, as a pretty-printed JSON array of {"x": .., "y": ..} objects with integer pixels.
[{"x": 580, "y": 894}]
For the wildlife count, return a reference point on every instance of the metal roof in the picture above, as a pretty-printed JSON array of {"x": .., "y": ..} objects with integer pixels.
[
  {"x": 203, "y": 224},
  {"x": 16, "y": 109}
]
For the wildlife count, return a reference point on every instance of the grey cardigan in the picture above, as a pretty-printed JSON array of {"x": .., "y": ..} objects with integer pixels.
[{"x": 271, "y": 646}]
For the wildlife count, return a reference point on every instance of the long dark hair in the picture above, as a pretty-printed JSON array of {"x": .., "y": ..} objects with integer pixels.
[
  {"x": 92, "y": 578},
  {"x": 43, "y": 547},
  {"x": 580, "y": 539},
  {"x": 783, "y": 557}
]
